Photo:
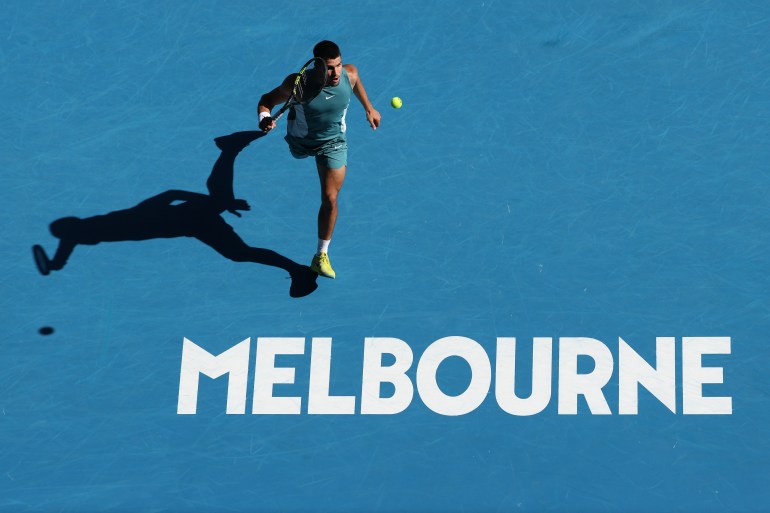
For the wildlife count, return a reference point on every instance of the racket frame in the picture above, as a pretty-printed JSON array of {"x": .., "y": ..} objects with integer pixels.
[{"x": 293, "y": 100}]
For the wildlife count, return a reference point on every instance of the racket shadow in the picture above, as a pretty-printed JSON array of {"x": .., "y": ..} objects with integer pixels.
[{"x": 179, "y": 213}]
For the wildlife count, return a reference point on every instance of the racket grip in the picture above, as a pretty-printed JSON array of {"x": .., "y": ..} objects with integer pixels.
[
  {"x": 276, "y": 117},
  {"x": 279, "y": 113}
]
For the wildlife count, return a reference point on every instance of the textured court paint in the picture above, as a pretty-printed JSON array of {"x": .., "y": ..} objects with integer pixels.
[{"x": 590, "y": 170}]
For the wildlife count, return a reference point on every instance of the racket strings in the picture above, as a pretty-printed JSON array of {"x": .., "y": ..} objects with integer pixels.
[{"x": 311, "y": 83}]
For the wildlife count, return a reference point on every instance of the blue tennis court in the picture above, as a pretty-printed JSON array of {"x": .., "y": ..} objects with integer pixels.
[{"x": 588, "y": 178}]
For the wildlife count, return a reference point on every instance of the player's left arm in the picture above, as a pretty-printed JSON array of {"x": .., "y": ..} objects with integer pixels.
[
  {"x": 223, "y": 201},
  {"x": 166, "y": 198},
  {"x": 372, "y": 116}
]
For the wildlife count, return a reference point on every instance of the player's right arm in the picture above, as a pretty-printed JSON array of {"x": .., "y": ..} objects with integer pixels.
[{"x": 269, "y": 100}]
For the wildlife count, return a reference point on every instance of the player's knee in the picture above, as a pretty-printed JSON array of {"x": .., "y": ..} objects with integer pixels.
[{"x": 329, "y": 199}]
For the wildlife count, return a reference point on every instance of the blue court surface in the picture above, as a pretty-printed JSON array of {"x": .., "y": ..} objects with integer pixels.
[{"x": 589, "y": 178}]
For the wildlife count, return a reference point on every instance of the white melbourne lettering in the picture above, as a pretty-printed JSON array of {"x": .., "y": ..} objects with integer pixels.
[{"x": 493, "y": 372}]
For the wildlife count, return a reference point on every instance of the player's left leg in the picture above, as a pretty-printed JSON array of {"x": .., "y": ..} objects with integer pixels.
[
  {"x": 331, "y": 183},
  {"x": 223, "y": 239}
]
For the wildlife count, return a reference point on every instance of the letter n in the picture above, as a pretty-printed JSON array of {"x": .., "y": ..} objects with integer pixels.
[
  {"x": 633, "y": 371},
  {"x": 196, "y": 360}
]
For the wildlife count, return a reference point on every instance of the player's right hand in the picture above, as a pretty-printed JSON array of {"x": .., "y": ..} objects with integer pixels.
[{"x": 267, "y": 124}]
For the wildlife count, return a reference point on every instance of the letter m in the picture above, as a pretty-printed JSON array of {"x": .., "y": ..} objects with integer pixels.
[{"x": 196, "y": 360}]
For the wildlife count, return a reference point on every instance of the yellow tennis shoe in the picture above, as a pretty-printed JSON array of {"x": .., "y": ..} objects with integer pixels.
[{"x": 322, "y": 266}]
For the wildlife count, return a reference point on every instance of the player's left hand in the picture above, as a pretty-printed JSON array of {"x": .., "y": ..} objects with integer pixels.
[
  {"x": 239, "y": 204},
  {"x": 373, "y": 117}
]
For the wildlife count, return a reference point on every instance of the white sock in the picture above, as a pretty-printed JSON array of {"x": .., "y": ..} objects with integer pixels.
[{"x": 323, "y": 246}]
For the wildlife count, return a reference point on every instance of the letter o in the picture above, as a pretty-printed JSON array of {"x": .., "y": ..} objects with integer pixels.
[{"x": 481, "y": 376}]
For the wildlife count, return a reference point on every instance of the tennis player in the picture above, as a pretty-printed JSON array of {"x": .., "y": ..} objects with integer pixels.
[{"x": 317, "y": 129}]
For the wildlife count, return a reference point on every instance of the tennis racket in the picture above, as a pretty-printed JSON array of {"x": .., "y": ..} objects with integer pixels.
[{"x": 310, "y": 80}]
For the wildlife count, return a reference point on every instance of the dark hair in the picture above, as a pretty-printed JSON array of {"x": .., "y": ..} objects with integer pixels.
[{"x": 326, "y": 50}]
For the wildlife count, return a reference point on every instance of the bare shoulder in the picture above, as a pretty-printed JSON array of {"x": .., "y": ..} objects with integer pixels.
[{"x": 352, "y": 72}]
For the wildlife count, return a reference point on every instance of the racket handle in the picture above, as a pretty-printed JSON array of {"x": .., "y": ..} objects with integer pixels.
[
  {"x": 280, "y": 113},
  {"x": 277, "y": 115}
]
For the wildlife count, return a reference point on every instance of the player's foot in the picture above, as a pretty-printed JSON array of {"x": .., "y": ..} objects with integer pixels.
[
  {"x": 322, "y": 266},
  {"x": 303, "y": 281}
]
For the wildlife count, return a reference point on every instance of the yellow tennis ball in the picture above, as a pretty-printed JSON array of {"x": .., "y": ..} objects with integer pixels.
[{"x": 396, "y": 102}]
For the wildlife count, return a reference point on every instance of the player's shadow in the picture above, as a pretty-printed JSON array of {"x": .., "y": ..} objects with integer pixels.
[{"x": 178, "y": 213}]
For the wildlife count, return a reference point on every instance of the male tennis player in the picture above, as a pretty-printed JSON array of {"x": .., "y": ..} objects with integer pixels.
[{"x": 317, "y": 129}]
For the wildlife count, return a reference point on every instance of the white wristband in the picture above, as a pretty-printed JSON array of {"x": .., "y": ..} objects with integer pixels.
[{"x": 263, "y": 115}]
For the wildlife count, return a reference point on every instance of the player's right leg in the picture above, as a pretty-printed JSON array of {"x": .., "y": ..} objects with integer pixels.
[{"x": 331, "y": 180}]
